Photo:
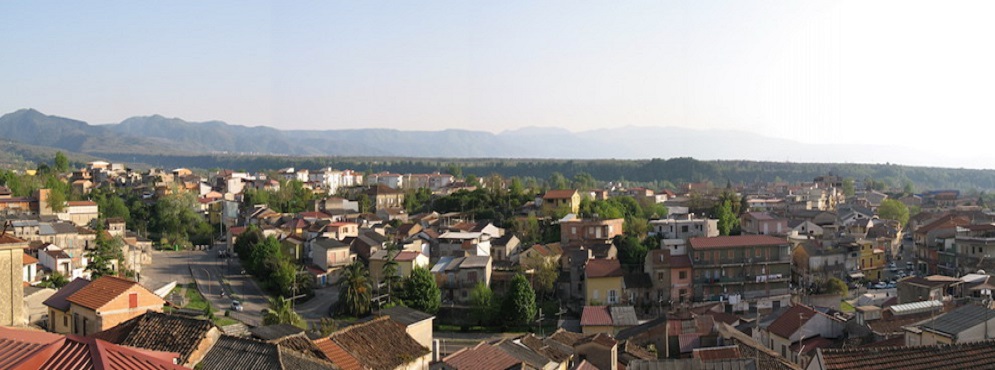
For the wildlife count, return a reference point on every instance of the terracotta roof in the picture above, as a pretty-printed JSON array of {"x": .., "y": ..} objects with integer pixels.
[
  {"x": 28, "y": 259},
  {"x": 364, "y": 343},
  {"x": 596, "y": 316},
  {"x": 600, "y": 339},
  {"x": 101, "y": 291},
  {"x": 584, "y": 365},
  {"x": 160, "y": 332},
  {"x": 25, "y": 349},
  {"x": 976, "y": 355},
  {"x": 406, "y": 256},
  {"x": 599, "y": 268},
  {"x": 483, "y": 356},
  {"x": 337, "y": 354},
  {"x": 10, "y": 239},
  {"x": 559, "y": 194},
  {"x": 80, "y": 203},
  {"x": 792, "y": 319},
  {"x": 716, "y": 353},
  {"x": 58, "y": 300},
  {"x": 736, "y": 241}
]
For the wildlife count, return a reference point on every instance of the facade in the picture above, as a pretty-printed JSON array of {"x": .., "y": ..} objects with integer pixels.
[
  {"x": 11, "y": 285},
  {"x": 743, "y": 269},
  {"x": 107, "y": 302},
  {"x": 590, "y": 231},
  {"x": 603, "y": 282},
  {"x": 557, "y": 199},
  {"x": 684, "y": 228},
  {"x": 457, "y": 276},
  {"x": 406, "y": 262}
]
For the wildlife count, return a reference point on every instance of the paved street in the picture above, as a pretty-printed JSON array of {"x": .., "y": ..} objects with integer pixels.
[{"x": 317, "y": 307}]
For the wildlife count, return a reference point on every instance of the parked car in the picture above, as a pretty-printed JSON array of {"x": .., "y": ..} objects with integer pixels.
[
  {"x": 880, "y": 285},
  {"x": 236, "y": 306}
]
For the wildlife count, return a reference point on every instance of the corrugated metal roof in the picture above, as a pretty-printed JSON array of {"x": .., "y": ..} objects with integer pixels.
[{"x": 915, "y": 307}]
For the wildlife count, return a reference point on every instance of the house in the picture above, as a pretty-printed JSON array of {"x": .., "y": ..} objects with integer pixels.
[
  {"x": 504, "y": 247},
  {"x": 916, "y": 288},
  {"x": 757, "y": 223},
  {"x": 815, "y": 262},
  {"x": 540, "y": 252},
  {"x": 29, "y": 269},
  {"x": 749, "y": 270},
  {"x": 795, "y": 327},
  {"x": 457, "y": 276},
  {"x": 603, "y": 283},
  {"x": 590, "y": 231},
  {"x": 329, "y": 253},
  {"x": 605, "y": 319},
  {"x": 482, "y": 356},
  {"x": 362, "y": 346},
  {"x": 190, "y": 338},
  {"x": 685, "y": 228},
  {"x": 969, "y": 323},
  {"x": 58, "y": 307},
  {"x": 555, "y": 200},
  {"x": 25, "y": 349},
  {"x": 231, "y": 352},
  {"x": 463, "y": 243},
  {"x": 977, "y": 355},
  {"x": 406, "y": 262},
  {"x": 416, "y": 323},
  {"x": 671, "y": 275},
  {"x": 531, "y": 358},
  {"x": 12, "y": 283},
  {"x": 108, "y": 301},
  {"x": 385, "y": 197},
  {"x": 872, "y": 260},
  {"x": 81, "y": 213}
]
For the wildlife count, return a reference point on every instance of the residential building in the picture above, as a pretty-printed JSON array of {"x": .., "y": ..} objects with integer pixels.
[
  {"x": 29, "y": 269},
  {"x": 385, "y": 197},
  {"x": 107, "y": 302},
  {"x": 603, "y": 283},
  {"x": 747, "y": 270},
  {"x": 462, "y": 243},
  {"x": 916, "y": 289},
  {"x": 482, "y": 356},
  {"x": 406, "y": 262},
  {"x": 25, "y": 349},
  {"x": 81, "y": 213},
  {"x": 190, "y": 338},
  {"x": 969, "y": 323},
  {"x": 457, "y": 276},
  {"x": 588, "y": 232},
  {"x": 798, "y": 326},
  {"x": 11, "y": 285},
  {"x": 231, "y": 352},
  {"x": 977, "y": 355},
  {"x": 58, "y": 307},
  {"x": 361, "y": 346},
  {"x": 684, "y": 229},
  {"x": 329, "y": 253},
  {"x": 756, "y": 223},
  {"x": 416, "y": 323},
  {"x": 561, "y": 199},
  {"x": 504, "y": 247},
  {"x": 609, "y": 320},
  {"x": 671, "y": 275}
]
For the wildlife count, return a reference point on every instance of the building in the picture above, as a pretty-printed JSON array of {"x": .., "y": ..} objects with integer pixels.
[
  {"x": 457, "y": 276},
  {"x": 684, "y": 229},
  {"x": 671, "y": 275},
  {"x": 757, "y": 223},
  {"x": 561, "y": 199},
  {"x": 190, "y": 338},
  {"x": 965, "y": 324},
  {"x": 796, "y": 326},
  {"x": 376, "y": 344},
  {"x": 609, "y": 320},
  {"x": 745, "y": 270},
  {"x": 406, "y": 261},
  {"x": 107, "y": 302},
  {"x": 29, "y": 350},
  {"x": 58, "y": 307},
  {"x": 11, "y": 285},
  {"x": 977, "y": 355},
  {"x": 590, "y": 231},
  {"x": 416, "y": 323},
  {"x": 603, "y": 282}
]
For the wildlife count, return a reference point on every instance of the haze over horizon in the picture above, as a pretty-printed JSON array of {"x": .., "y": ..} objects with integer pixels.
[{"x": 904, "y": 74}]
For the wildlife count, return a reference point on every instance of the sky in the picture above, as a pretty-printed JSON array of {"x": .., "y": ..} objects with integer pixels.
[{"x": 912, "y": 73}]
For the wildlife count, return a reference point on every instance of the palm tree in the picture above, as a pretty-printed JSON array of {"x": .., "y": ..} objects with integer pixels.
[
  {"x": 390, "y": 275},
  {"x": 281, "y": 312},
  {"x": 354, "y": 290}
]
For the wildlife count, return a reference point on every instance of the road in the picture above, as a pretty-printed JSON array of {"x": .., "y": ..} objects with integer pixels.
[{"x": 214, "y": 275}]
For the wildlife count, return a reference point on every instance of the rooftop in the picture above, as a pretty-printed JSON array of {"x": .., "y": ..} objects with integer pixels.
[
  {"x": 99, "y": 292},
  {"x": 959, "y": 320},
  {"x": 976, "y": 355},
  {"x": 736, "y": 241},
  {"x": 364, "y": 343},
  {"x": 58, "y": 300},
  {"x": 599, "y": 268},
  {"x": 160, "y": 332},
  {"x": 483, "y": 356}
]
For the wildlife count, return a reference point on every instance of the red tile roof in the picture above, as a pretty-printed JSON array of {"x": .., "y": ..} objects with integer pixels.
[
  {"x": 338, "y": 355},
  {"x": 975, "y": 355},
  {"x": 483, "y": 356},
  {"x": 792, "y": 319},
  {"x": 405, "y": 256},
  {"x": 80, "y": 203},
  {"x": 25, "y": 349},
  {"x": 559, "y": 194},
  {"x": 596, "y": 316},
  {"x": 28, "y": 259},
  {"x": 101, "y": 291},
  {"x": 736, "y": 241},
  {"x": 364, "y": 343},
  {"x": 599, "y": 268}
]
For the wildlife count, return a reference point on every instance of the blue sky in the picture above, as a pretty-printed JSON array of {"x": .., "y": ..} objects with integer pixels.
[{"x": 916, "y": 73}]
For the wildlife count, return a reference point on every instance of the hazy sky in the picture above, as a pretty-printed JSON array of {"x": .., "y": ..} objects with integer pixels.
[{"x": 916, "y": 73}]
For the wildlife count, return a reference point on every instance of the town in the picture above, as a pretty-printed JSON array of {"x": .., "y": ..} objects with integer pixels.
[{"x": 342, "y": 269}]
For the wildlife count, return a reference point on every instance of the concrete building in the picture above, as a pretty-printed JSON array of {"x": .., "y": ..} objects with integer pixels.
[{"x": 12, "y": 286}]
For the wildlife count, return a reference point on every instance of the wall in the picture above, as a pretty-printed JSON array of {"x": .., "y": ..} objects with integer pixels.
[
  {"x": 597, "y": 289},
  {"x": 11, "y": 284}
]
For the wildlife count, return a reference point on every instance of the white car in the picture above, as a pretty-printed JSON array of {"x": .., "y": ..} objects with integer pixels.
[{"x": 237, "y": 306}]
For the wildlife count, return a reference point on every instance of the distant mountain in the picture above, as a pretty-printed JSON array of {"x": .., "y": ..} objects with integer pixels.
[{"x": 161, "y": 135}]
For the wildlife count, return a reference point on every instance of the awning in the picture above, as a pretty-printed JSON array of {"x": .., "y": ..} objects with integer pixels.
[{"x": 857, "y": 275}]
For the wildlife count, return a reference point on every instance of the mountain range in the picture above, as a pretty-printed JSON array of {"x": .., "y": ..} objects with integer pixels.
[{"x": 156, "y": 134}]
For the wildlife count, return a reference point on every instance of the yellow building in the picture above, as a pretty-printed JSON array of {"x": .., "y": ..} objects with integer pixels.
[
  {"x": 872, "y": 261},
  {"x": 554, "y": 199},
  {"x": 603, "y": 282}
]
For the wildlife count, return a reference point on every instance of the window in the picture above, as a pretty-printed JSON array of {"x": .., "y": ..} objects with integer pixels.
[
  {"x": 595, "y": 295},
  {"x": 573, "y": 230},
  {"x": 683, "y": 275},
  {"x": 659, "y": 276},
  {"x": 65, "y": 320},
  {"x": 133, "y": 300},
  {"x": 684, "y": 228},
  {"x": 612, "y": 297},
  {"x": 731, "y": 254}
]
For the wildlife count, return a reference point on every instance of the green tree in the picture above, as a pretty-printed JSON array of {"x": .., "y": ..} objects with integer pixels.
[
  {"x": 891, "y": 209},
  {"x": 281, "y": 312},
  {"x": 421, "y": 292},
  {"x": 472, "y": 180},
  {"x": 327, "y": 326},
  {"x": 727, "y": 220},
  {"x": 836, "y": 286},
  {"x": 354, "y": 290},
  {"x": 519, "y": 306},
  {"x": 482, "y": 303},
  {"x": 848, "y": 188},
  {"x": 544, "y": 273},
  {"x": 61, "y": 163},
  {"x": 107, "y": 252},
  {"x": 54, "y": 281},
  {"x": 558, "y": 182},
  {"x": 631, "y": 252}
]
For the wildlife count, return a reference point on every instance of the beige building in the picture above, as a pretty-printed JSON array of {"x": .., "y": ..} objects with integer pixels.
[
  {"x": 108, "y": 301},
  {"x": 406, "y": 262},
  {"x": 11, "y": 286}
]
